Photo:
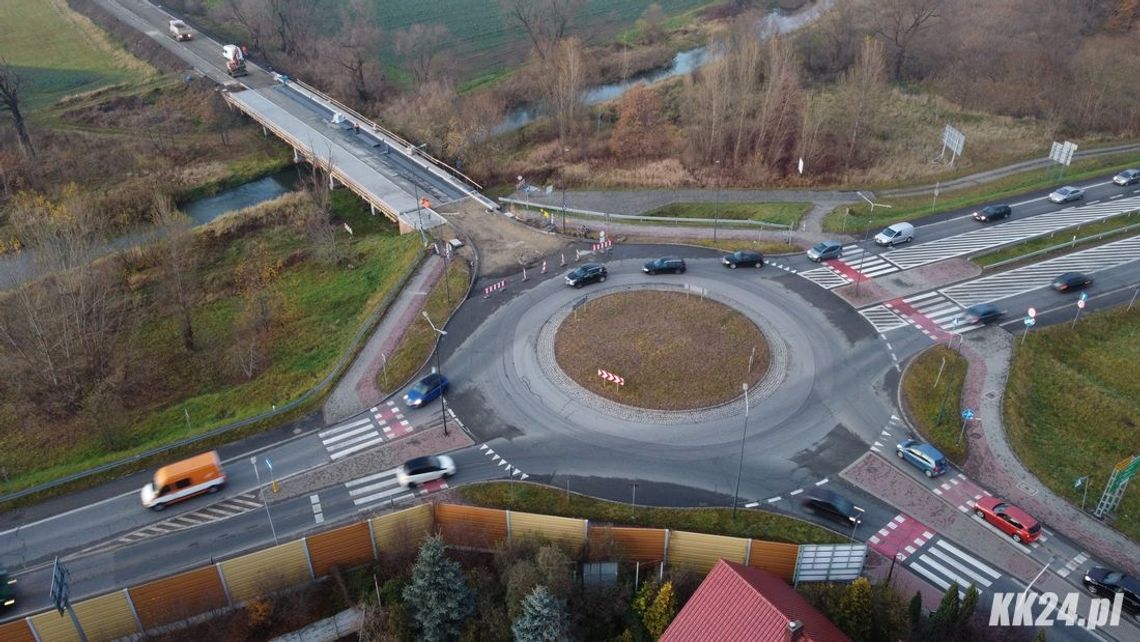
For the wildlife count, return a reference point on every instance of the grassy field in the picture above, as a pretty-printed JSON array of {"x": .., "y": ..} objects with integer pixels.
[
  {"x": 417, "y": 343},
  {"x": 532, "y": 498},
  {"x": 1072, "y": 406},
  {"x": 905, "y": 209},
  {"x": 60, "y": 52},
  {"x": 925, "y": 403},
  {"x": 483, "y": 43},
  {"x": 1087, "y": 235},
  {"x": 778, "y": 213},
  {"x": 317, "y": 310},
  {"x": 647, "y": 334}
]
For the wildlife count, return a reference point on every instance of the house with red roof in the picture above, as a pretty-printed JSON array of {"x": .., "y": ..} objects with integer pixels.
[{"x": 738, "y": 603}]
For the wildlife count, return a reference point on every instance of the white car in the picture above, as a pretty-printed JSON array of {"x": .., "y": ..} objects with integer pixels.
[
  {"x": 424, "y": 469},
  {"x": 1066, "y": 194}
]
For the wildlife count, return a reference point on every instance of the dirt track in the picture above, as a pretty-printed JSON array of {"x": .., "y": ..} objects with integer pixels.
[{"x": 504, "y": 244}]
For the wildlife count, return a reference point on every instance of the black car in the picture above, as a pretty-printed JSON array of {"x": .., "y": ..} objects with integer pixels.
[
  {"x": 982, "y": 313},
  {"x": 587, "y": 273},
  {"x": 1071, "y": 281},
  {"x": 991, "y": 213},
  {"x": 1107, "y": 583},
  {"x": 743, "y": 258},
  {"x": 830, "y": 504},
  {"x": 665, "y": 264},
  {"x": 7, "y": 589}
]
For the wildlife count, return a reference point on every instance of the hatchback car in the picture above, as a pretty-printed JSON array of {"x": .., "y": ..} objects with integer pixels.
[
  {"x": 922, "y": 456},
  {"x": 833, "y": 506},
  {"x": 7, "y": 589},
  {"x": 1106, "y": 582},
  {"x": 1127, "y": 177},
  {"x": 1066, "y": 194},
  {"x": 665, "y": 264},
  {"x": 982, "y": 313},
  {"x": 1071, "y": 281},
  {"x": 825, "y": 250},
  {"x": 1009, "y": 519},
  {"x": 587, "y": 273},
  {"x": 426, "y": 390},
  {"x": 743, "y": 258},
  {"x": 424, "y": 469},
  {"x": 991, "y": 213}
]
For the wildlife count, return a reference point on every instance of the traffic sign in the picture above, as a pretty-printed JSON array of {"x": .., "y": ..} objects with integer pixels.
[
  {"x": 1081, "y": 303},
  {"x": 1084, "y": 296},
  {"x": 967, "y": 414},
  {"x": 1032, "y": 312},
  {"x": 1029, "y": 321}
]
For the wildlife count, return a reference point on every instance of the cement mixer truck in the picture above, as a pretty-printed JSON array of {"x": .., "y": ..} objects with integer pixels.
[{"x": 235, "y": 61}]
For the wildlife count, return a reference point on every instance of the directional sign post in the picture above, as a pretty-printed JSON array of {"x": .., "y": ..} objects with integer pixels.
[
  {"x": 1080, "y": 306},
  {"x": 967, "y": 415},
  {"x": 61, "y": 595},
  {"x": 1029, "y": 321}
]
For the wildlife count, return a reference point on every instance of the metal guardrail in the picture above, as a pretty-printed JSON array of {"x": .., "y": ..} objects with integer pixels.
[
  {"x": 337, "y": 371},
  {"x": 1061, "y": 246},
  {"x": 650, "y": 219}
]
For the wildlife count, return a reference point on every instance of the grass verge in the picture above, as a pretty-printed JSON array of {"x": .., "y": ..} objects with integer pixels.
[
  {"x": 931, "y": 391},
  {"x": 532, "y": 498},
  {"x": 419, "y": 339},
  {"x": 728, "y": 245},
  {"x": 778, "y": 213},
  {"x": 905, "y": 209},
  {"x": 1094, "y": 234},
  {"x": 1072, "y": 406}
]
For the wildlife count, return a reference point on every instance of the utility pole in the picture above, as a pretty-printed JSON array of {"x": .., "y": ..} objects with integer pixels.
[
  {"x": 439, "y": 370},
  {"x": 743, "y": 438}
]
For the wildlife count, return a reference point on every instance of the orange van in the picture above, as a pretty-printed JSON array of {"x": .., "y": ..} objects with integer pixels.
[{"x": 189, "y": 477}]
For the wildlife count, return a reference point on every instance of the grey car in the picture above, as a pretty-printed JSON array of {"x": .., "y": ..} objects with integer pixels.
[
  {"x": 1066, "y": 194},
  {"x": 1127, "y": 177},
  {"x": 825, "y": 251}
]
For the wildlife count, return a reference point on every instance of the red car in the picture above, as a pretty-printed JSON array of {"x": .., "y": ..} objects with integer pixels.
[{"x": 1009, "y": 519}]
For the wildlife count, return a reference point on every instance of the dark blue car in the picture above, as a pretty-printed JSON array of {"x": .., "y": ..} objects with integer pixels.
[{"x": 426, "y": 390}]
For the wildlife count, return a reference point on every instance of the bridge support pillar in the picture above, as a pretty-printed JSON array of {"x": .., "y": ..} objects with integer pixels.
[
  {"x": 372, "y": 209},
  {"x": 296, "y": 156},
  {"x": 264, "y": 131},
  {"x": 332, "y": 182}
]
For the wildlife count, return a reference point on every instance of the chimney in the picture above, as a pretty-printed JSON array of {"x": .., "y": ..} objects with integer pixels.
[{"x": 794, "y": 631}]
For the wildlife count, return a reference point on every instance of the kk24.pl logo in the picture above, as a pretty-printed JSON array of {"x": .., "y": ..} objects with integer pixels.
[{"x": 1016, "y": 609}]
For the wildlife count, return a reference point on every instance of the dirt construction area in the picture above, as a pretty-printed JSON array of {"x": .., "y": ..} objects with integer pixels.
[{"x": 504, "y": 244}]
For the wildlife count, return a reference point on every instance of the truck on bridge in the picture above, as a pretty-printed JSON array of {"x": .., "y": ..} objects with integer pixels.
[
  {"x": 180, "y": 30},
  {"x": 235, "y": 60}
]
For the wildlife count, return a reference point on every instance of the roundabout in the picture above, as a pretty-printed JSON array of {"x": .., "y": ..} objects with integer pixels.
[{"x": 825, "y": 377}]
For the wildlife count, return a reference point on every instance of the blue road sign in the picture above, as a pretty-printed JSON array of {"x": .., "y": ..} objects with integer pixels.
[
  {"x": 967, "y": 414},
  {"x": 1084, "y": 296},
  {"x": 1029, "y": 321}
]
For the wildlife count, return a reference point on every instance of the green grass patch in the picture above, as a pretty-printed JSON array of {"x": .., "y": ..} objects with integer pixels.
[
  {"x": 913, "y": 207},
  {"x": 778, "y": 213},
  {"x": 1089, "y": 234},
  {"x": 532, "y": 498},
  {"x": 1072, "y": 406},
  {"x": 419, "y": 339},
  {"x": 59, "y": 52},
  {"x": 725, "y": 245},
  {"x": 931, "y": 395}
]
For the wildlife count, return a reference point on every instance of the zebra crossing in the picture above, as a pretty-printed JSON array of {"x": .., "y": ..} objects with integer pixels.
[
  {"x": 870, "y": 265},
  {"x": 895, "y": 430},
  {"x": 382, "y": 423},
  {"x": 826, "y": 278},
  {"x": 942, "y": 563},
  {"x": 382, "y": 489},
  {"x": 882, "y": 318},
  {"x": 992, "y": 236}
]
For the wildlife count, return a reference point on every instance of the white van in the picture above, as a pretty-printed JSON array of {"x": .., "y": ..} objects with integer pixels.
[{"x": 895, "y": 234}]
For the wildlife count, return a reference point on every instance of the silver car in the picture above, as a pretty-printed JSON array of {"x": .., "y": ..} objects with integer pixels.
[
  {"x": 1127, "y": 177},
  {"x": 1066, "y": 194}
]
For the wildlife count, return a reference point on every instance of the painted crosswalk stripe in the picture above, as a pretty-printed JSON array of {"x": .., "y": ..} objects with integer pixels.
[{"x": 336, "y": 430}]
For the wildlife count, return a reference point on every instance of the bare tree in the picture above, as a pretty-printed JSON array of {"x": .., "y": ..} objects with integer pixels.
[
  {"x": 708, "y": 91},
  {"x": 11, "y": 85},
  {"x": 780, "y": 104},
  {"x": 251, "y": 15},
  {"x": 355, "y": 52},
  {"x": 651, "y": 24},
  {"x": 255, "y": 279},
  {"x": 546, "y": 22},
  {"x": 900, "y": 22},
  {"x": 178, "y": 264},
  {"x": 861, "y": 94},
  {"x": 316, "y": 218},
  {"x": 564, "y": 81},
  {"x": 421, "y": 45}
]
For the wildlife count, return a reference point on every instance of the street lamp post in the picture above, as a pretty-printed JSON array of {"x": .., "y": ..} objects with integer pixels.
[
  {"x": 563, "y": 176},
  {"x": 743, "y": 437},
  {"x": 257, "y": 475},
  {"x": 858, "y": 518},
  {"x": 716, "y": 209},
  {"x": 438, "y": 369}
]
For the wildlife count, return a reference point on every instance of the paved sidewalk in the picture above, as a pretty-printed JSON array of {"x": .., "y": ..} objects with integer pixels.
[
  {"x": 992, "y": 462},
  {"x": 357, "y": 390}
]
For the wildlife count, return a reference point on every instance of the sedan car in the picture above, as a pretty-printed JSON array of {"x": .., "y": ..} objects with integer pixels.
[
  {"x": 991, "y": 213},
  {"x": 665, "y": 264},
  {"x": 1066, "y": 194},
  {"x": 424, "y": 469},
  {"x": 1106, "y": 582},
  {"x": 834, "y": 506},
  {"x": 1127, "y": 177},
  {"x": 7, "y": 589},
  {"x": 982, "y": 313},
  {"x": 825, "y": 250},
  {"x": 426, "y": 390},
  {"x": 1009, "y": 519},
  {"x": 587, "y": 273},
  {"x": 743, "y": 258},
  {"x": 922, "y": 456},
  {"x": 1071, "y": 281}
]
